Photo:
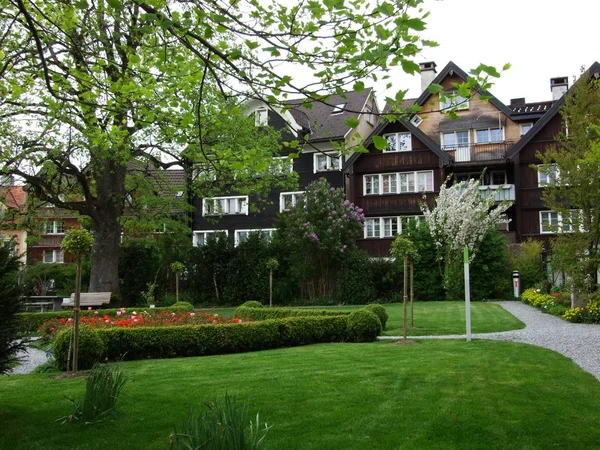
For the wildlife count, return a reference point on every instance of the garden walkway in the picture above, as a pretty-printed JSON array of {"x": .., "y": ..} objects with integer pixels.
[
  {"x": 29, "y": 360},
  {"x": 580, "y": 342}
]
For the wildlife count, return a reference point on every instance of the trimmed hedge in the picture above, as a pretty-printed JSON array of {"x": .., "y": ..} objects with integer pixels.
[
  {"x": 380, "y": 312},
  {"x": 29, "y": 322},
  {"x": 91, "y": 348},
  {"x": 280, "y": 313},
  {"x": 203, "y": 340},
  {"x": 363, "y": 326}
]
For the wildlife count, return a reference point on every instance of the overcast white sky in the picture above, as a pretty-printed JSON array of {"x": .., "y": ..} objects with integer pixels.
[{"x": 542, "y": 39}]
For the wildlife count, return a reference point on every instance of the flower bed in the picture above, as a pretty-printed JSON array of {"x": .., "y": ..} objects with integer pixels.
[
  {"x": 125, "y": 319},
  {"x": 559, "y": 304}
]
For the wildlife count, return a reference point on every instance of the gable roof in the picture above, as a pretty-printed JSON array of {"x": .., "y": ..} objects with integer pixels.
[
  {"x": 453, "y": 69},
  {"x": 325, "y": 126},
  {"x": 429, "y": 143},
  {"x": 594, "y": 69},
  {"x": 13, "y": 196}
]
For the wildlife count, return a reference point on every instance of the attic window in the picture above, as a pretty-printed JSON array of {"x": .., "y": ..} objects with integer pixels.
[
  {"x": 416, "y": 120},
  {"x": 261, "y": 117},
  {"x": 338, "y": 109}
]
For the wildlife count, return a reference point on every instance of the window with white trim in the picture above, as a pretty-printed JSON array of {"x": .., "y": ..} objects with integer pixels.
[
  {"x": 398, "y": 142},
  {"x": 225, "y": 206},
  {"x": 200, "y": 237},
  {"x": 453, "y": 100},
  {"x": 288, "y": 200},
  {"x": 54, "y": 227},
  {"x": 416, "y": 120},
  {"x": 455, "y": 139},
  {"x": 369, "y": 115},
  {"x": 11, "y": 246},
  {"x": 324, "y": 162},
  {"x": 242, "y": 235},
  {"x": 547, "y": 174},
  {"x": 338, "y": 109},
  {"x": 556, "y": 222},
  {"x": 489, "y": 135},
  {"x": 388, "y": 227},
  {"x": 261, "y": 117},
  {"x": 282, "y": 165},
  {"x": 525, "y": 127},
  {"x": 54, "y": 256},
  {"x": 398, "y": 183}
]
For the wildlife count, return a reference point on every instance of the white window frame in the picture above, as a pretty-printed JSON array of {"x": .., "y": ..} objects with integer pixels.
[
  {"x": 453, "y": 100},
  {"x": 58, "y": 256},
  {"x": 378, "y": 223},
  {"x": 330, "y": 157},
  {"x": 526, "y": 124},
  {"x": 195, "y": 234},
  {"x": 561, "y": 226},
  {"x": 450, "y": 147},
  {"x": 338, "y": 109},
  {"x": 226, "y": 212},
  {"x": 489, "y": 135},
  {"x": 369, "y": 115},
  {"x": 54, "y": 227},
  {"x": 546, "y": 179},
  {"x": 416, "y": 120},
  {"x": 397, "y": 147},
  {"x": 236, "y": 235},
  {"x": 410, "y": 186},
  {"x": 282, "y": 165},
  {"x": 295, "y": 197},
  {"x": 497, "y": 172},
  {"x": 261, "y": 117}
]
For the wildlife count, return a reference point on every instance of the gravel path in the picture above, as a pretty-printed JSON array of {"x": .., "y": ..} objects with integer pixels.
[
  {"x": 580, "y": 342},
  {"x": 30, "y": 360}
]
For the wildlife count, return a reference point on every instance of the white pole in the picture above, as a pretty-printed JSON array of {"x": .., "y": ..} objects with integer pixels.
[{"x": 467, "y": 294}]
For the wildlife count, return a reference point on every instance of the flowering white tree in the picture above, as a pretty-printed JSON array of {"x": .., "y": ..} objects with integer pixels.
[
  {"x": 463, "y": 214},
  {"x": 461, "y": 218}
]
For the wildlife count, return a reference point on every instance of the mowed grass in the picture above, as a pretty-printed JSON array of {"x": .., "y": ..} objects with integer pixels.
[
  {"x": 438, "y": 318},
  {"x": 431, "y": 395}
]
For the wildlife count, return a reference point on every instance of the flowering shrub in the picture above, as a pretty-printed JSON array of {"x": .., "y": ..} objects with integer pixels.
[
  {"x": 574, "y": 315},
  {"x": 124, "y": 319},
  {"x": 536, "y": 298}
]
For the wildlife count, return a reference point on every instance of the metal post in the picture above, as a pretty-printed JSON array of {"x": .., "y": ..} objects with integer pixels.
[
  {"x": 467, "y": 294},
  {"x": 516, "y": 283}
]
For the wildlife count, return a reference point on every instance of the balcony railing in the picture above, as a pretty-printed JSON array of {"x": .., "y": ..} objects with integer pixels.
[
  {"x": 506, "y": 192},
  {"x": 478, "y": 152}
]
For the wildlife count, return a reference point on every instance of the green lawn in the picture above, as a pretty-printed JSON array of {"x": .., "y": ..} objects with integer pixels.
[
  {"x": 436, "y": 318},
  {"x": 432, "y": 395}
]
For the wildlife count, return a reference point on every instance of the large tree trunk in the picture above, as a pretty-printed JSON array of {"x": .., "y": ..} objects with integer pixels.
[{"x": 110, "y": 190}]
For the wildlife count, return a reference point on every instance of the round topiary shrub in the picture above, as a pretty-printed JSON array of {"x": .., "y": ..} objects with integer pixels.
[
  {"x": 184, "y": 305},
  {"x": 252, "y": 304},
  {"x": 380, "y": 312},
  {"x": 362, "y": 326},
  {"x": 91, "y": 348}
]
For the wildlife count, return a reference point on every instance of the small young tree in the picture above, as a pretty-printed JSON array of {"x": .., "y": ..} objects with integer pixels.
[
  {"x": 9, "y": 306},
  {"x": 403, "y": 249},
  {"x": 460, "y": 220},
  {"x": 177, "y": 268},
  {"x": 272, "y": 265},
  {"x": 79, "y": 242}
]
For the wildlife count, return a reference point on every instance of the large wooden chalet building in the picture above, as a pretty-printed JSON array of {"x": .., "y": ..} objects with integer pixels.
[{"x": 427, "y": 149}]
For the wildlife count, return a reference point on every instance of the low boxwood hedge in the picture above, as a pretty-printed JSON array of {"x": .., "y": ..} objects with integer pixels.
[
  {"x": 202, "y": 340},
  {"x": 245, "y": 312},
  {"x": 29, "y": 322}
]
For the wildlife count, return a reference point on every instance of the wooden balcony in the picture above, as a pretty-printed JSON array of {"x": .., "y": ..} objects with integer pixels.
[
  {"x": 502, "y": 193},
  {"x": 478, "y": 152},
  {"x": 49, "y": 240}
]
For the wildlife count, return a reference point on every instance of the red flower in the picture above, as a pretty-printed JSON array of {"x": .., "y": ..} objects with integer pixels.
[{"x": 555, "y": 295}]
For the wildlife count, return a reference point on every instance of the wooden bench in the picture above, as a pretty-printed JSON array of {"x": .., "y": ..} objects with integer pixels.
[
  {"x": 89, "y": 299},
  {"x": 43, "y": 303}
]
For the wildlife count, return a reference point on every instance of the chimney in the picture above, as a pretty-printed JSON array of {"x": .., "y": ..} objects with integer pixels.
[
  {"x": 428, "y": 73},
  {"x": 559, "y": 86},
  {"x": 517, "y": 102}
]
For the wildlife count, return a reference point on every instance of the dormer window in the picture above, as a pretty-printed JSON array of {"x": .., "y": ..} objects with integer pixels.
[
  {"x": 453, "y": 100},
  {"x": 416, "y": 120},
  {"x": 338, "y": 109},
  {"x": 261, "y": 117}
]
